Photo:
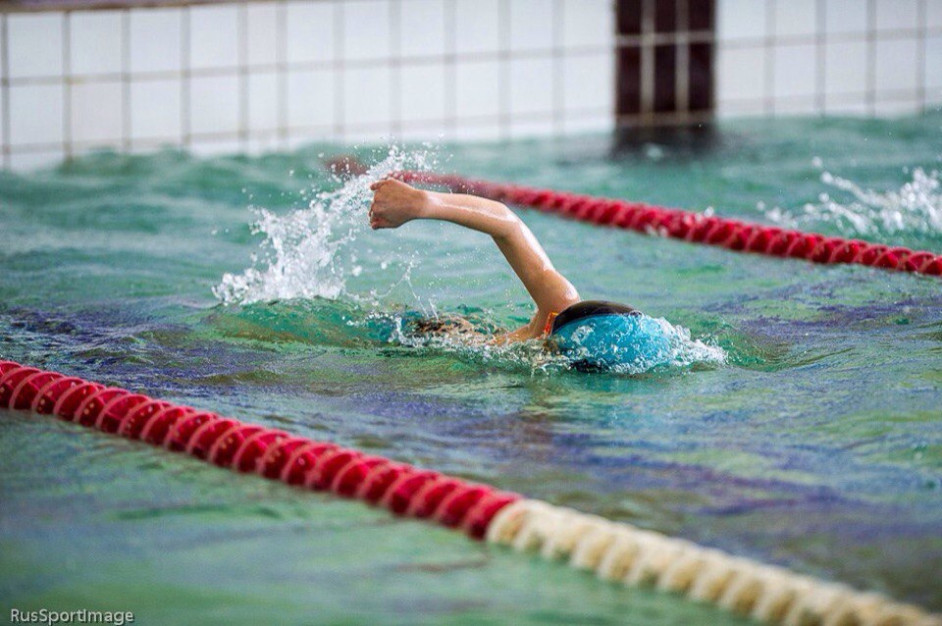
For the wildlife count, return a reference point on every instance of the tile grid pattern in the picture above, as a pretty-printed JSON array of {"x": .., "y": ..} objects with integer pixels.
[
  {"x": 258, "y": 75},
  {"x": 835, "y": 57},
  {"x": 4, "y": 94},
  {"x": 251, "y": 76}
]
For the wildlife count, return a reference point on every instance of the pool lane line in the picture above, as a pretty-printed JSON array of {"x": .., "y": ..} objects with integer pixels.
[
  {"x": 690, "y": 226},
  {"x": 615, "y": 551}
]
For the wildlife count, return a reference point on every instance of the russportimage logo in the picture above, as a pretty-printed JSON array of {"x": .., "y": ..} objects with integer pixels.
[{"x": 82, "y": 616}]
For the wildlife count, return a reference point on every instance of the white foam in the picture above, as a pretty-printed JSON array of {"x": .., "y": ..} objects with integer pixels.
[
  {"x": 916, "y": 207},
  {"x": 308, "y": 253},
  {"x": 683, "y": 350}
]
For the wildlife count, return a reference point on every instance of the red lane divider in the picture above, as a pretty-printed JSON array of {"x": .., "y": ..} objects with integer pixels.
[
  {"x": 693, "y": 227},
  {"x": 275, "y": 454}
]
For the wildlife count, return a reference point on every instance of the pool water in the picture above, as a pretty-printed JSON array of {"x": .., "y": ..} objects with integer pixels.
[{"x": 799, "y": 423}]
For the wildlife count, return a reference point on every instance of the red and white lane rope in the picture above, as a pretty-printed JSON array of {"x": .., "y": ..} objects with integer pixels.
[
  {"x": 693, "y": 227},
  {"x": 615, "y": 551}
]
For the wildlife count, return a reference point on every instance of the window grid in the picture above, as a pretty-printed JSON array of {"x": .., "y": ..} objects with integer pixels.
[{"x": 665, "y": 62}]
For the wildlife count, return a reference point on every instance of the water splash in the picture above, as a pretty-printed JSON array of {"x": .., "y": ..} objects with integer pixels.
[
  {"x": 297, "y": 290},
  {"x": 479, "y": 347},
  {"x": 915, "y": 208},
  {"x": 535, "y": 355},
  {"x": 308, "y": 253}
]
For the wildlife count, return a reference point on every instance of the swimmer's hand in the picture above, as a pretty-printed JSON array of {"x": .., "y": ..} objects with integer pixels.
[{"x": 395, "y": 203}]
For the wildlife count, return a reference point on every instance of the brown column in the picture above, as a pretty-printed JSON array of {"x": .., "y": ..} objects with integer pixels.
[{"x": 665, "y": 63}]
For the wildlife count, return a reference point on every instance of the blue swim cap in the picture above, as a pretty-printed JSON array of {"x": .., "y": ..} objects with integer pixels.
[{"x": 604, "y": 335}]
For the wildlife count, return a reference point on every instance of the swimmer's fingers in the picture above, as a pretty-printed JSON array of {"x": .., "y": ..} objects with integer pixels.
[
  {"x": 377, "y": 223},
  {"x": 380, "y": 221},
  {"x": 380, "y": 183},
  {"x": 376, "y": 218},
  {"x": 389, "y": 181},
  {"x": 394, "y": 203}
]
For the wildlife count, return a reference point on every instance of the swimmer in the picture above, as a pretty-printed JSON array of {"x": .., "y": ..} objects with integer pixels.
[{"x": 594, "y": 334}]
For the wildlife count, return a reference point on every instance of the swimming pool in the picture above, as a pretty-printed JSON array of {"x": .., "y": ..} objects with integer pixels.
[{"x": 801, "y": 427}]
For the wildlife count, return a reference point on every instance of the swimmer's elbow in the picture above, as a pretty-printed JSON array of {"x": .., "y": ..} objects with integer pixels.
[{"x": 509, "y": 227}]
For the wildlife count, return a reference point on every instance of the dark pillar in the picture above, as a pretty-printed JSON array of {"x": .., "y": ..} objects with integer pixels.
[{"x": 665, "y": 63}]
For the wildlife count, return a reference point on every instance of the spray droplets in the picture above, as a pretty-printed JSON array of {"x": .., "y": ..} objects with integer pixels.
[
  {"x": 915, "y": 208},
  {"x": 472, "y": 339},
  {"x": 309, "y": 253},
  {"x": 312, "y": 253}
]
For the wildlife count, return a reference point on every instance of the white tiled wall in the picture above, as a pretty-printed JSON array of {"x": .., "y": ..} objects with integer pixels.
[
  {"x": 25, "y": 58},
  {"x": 834, "y": 57},
  {"x": 268, "y": 75}
]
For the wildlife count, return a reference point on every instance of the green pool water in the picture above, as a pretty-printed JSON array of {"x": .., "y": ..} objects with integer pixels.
[{"x": 801, "y": 425}]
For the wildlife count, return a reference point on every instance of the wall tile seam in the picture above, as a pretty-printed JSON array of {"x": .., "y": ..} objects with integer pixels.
[{"x": 544, "y": 115}]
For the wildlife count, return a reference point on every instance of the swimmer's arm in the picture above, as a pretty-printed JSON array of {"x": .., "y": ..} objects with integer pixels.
[{"x": 396, "y": 203}]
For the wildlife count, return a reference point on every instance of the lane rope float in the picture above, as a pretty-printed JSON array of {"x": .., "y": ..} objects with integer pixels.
[
  {"x": 693, "y": 227},
  {"x": 615, "y": 551}
]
